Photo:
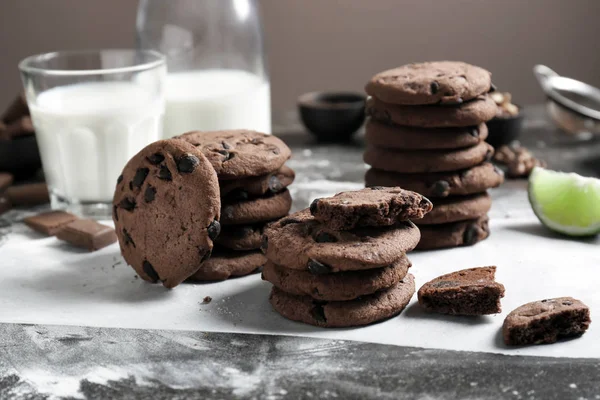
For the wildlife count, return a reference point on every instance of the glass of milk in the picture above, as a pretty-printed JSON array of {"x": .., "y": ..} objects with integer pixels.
[
  {"x": 92, "y": 111},
  {"x": 217, "y": 72}
]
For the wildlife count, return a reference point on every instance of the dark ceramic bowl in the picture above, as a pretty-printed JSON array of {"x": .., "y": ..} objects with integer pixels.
[
  {"x": 20, "y": 156},
  {"x": 332, "y": 116},
  {"x": 504, "y": 130}
]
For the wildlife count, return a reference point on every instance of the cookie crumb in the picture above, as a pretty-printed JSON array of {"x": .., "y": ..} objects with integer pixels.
[
  {"x": 518, "y": 160},
  {"x": 206, "y": 300}
]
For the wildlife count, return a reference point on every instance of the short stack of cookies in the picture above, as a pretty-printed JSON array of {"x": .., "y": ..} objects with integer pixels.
[
  {"x": 253, "y": 183},
  {"x": 343, "y": 261},
  {"x": 427, "y": 133}
]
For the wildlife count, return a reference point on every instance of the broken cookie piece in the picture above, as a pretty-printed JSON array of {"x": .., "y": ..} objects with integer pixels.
[
  {"x": 518, "y": 160},
  {"x": 467, "y": 292},
  {"x": 546, "y": 321}
]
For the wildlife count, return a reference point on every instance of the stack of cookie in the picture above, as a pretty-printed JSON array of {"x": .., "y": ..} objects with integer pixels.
[
  {"x": 253, "y": 184},
  {"x": 427, "y": 133},
  {"x": 343, "y": 261}
]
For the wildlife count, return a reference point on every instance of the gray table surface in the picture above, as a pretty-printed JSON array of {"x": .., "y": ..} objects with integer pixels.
[{"x": 226, "y": 365}]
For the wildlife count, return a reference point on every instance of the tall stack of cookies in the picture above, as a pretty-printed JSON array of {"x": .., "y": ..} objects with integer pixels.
[
  {"x": 343, "y": 261},
  {"x": 253, "y": 184},
  {"x": 426, "y": 133}
]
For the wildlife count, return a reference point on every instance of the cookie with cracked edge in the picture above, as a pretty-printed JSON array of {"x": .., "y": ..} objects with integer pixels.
[
  {"x": 440, "y": 184},
  {"x": 340, "y": 286},
  {"x": 546, "y": 321},
  {"x": 454, "y": 234},
  {"x": 265, "y": 208},
  {"x": 299, "y": 241},
  {"x": 472, "y": 291},
  {"x": 241, "y": 153},
  {"x": 436, "y": 82},
  {"x": 374, "y": 206},
  {"x": 337, "y": 314},
  {"x": 426, "y": 161},
  {"x": 473, "y": 112},
  {"x": 411, "y": 138},
  {"x": 246, "y": 188},
  {"x": 458, "y": 208},
  {"x": 166, "y": 211},
  {"x": 226, "y": 264}
]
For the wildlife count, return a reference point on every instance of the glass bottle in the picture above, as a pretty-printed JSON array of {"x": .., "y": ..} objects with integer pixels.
[{"x": 217, "y": 73}]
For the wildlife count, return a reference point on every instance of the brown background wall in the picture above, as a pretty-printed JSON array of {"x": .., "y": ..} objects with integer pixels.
[{"x": 339, "y": 44}]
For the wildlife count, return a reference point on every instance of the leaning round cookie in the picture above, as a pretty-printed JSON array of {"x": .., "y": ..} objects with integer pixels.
[
  {"x": 463, "y": 233},
  {"x": 337, "y": 314},
  {"x": 424, "y": 161},
  {"x": 265, "y": 208},
  {"x": 245, "y": 188},
  {"x": 374, "y": 206},
  {"x": 341, "y": 286},
  {"x": 299, "y": 241},
  {"x": 447, "y": 82},
  {"x": 223, "y": 265},
  {"x": 241, "y": 237},
  {"x": 238, "y": 154},
  {"x": 166, "y": 211},
  {"x": 474, "y": 112},
  {"x": 441, "y": 184},
  {"x": 460, "y": 208},
  {"x": 411, "y": 138}
]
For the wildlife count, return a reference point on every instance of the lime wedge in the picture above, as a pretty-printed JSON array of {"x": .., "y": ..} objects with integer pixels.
[{"x": 565, "y": 202}]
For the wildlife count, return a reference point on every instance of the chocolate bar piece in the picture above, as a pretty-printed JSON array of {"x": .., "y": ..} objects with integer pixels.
[
  {"x": 49, "y": 223},
  {"x": 88, "y": 234},
  {"x": 4, "y": 204},
  {"x": 17, "y": 109},
  {"x": 6, "y": 180},
  {"x": 28, "y": 195},
  {"x": 21, "y": 127}
]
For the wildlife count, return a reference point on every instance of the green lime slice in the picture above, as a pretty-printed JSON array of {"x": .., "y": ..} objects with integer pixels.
[{"x": 565, "y": 202}]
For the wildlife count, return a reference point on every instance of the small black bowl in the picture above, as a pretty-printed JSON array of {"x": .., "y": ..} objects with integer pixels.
[
  {"x": 332, "y": 116},
  {"x": 20, "y": 156},
  {"x": 504, "y": 130}
]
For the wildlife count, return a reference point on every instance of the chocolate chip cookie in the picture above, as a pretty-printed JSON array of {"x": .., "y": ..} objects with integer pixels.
[
  {"x": 471, "y": 291},
  {"x": 546, "y": 321},
  {"x": 445, "y": 82},
  {"x": 460, "y": 208},
  {"x": 425, "y": 161},
  {"x": 299, "y": 241},
  {"x": 223, "y": 265},
  {"x": 441, "y": 184},
  {"x": 463, "y": 233},
  {"x": 336, "y": 314},
  {"x": 265, "y": 208},
  {"x": 374, "y": 206},
  {"x": 341, "y": 286},
  {"x": 473, "y": 112},
  {"x": 243, "y": 189},
  {"x": 411, "y": 138},
  {"x": 241, "y": 237},
  {"x": 238, "y": 154},
  {"x": 166, "y": 211}
]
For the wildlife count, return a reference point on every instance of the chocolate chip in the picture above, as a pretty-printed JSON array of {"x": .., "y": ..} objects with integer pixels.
[
  {"x": 318, "y": 313},
  {"x": 314, "y": 205},
  {"x": 440, "y": 188},
  {"x": 187, "y": 163},
  {"x": 488, "y": 155},
  {"x": 567, "y": 303},
  {"x": 149, "y": 194},
  {"x": 256, "y": 141},
  {"x": 155, "y": 158},
  {"x": 164, "y": 173},
  {"x": 127, "y": 204},
  {"x": 493, "y": 88},
  {"x": 444, "y": 284},
  {"x": 149, "y": 270},
  {"x": 115, "y": 215},
  {"x": 317, "y": 268},
  {"x": 214, "y": 229},
  {"x": 498, "y": 170},
  {"x": 226, "y": 155},
  {"x": 206, "y": 255},
  {"x": 127, "y": 238},
  {"x": 120, "y": 179},
  {"x": 471, "y": 234},
  {"x": 139, "y": 178},
  {"x": 275, "y": 184},
  {"x": 276, "y": 151},
  {"x": 324, "y": 237},
  {"x": 264, "y": 245},
  {"x": 225, "y": 145},
  {"x": 376, "y": 187},
  {"x": 435, "y": 87},
  {"x": 474, "y": 131},
  {"x": 543, "y": 301}
]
